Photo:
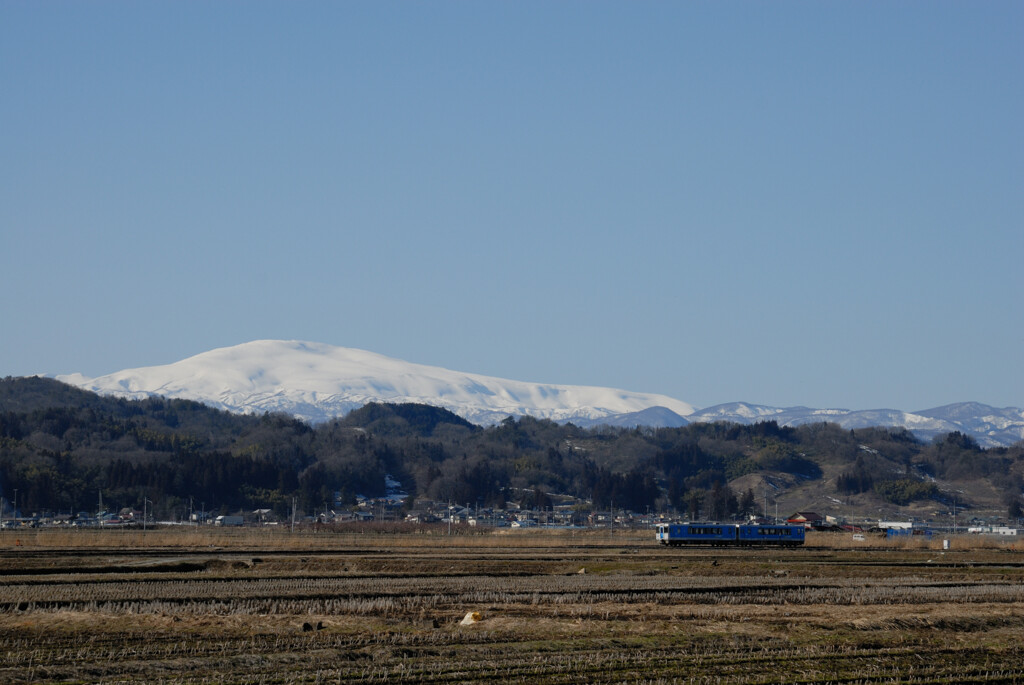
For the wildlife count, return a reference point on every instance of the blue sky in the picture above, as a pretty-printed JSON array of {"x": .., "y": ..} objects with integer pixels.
[{"x": 814, "y": 203}]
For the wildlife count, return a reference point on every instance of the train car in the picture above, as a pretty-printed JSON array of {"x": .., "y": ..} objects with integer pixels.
[
  {"x": 765, "y": 534},
  {"x": 729, "y": 534},
  {"x": 697, "y": 534}
]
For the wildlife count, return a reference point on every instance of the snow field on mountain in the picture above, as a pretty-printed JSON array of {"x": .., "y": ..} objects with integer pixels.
[
  {"x": 325, "y": 381},
  {"x": 317, "y": 382}
]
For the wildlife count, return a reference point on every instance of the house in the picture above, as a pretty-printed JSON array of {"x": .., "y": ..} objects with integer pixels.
[
  {"x": 808, "y": 519},
  {"x": 421, "y": 517},
  {"x": 263, "y": 515},
  {"x": 111, "y": 520},
  {"x": 457, "y": 514}
]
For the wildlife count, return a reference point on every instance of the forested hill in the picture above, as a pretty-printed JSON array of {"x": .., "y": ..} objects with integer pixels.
[{"x": 61, "y": 447}]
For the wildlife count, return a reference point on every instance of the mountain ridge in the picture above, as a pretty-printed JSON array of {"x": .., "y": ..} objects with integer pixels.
[
  {"x": 990, "y": 426},
  {"x": 317, "y": 382}
]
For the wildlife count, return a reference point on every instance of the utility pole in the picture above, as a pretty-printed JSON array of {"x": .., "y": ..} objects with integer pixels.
[{"x": 293, "y": 514}]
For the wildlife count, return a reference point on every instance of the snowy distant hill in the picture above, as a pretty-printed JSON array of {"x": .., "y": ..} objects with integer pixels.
[
  {"x": 317, "y": 382},
  {"x": 991, "y": 427},
  {"x": 653, "y": 417}
]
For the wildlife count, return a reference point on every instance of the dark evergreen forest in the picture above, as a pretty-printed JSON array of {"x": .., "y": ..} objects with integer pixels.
[{"x": 62, "y": 448}]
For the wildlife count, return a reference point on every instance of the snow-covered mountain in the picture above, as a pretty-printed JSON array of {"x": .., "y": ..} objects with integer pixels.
[
  {"x": 653, "y": 417},
  {"x": 1000, "y": 426},
  {"x": 991, "y": 427},
  {"x": 317, "y": 382}
]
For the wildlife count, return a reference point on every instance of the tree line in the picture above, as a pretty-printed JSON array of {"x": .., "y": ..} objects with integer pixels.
[{"x": 63, "y": 449}]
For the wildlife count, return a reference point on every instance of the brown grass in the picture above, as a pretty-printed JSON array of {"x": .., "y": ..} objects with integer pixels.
[
  {"x": 280, "y": 538},
  {"x": 216, "y": 605},
  {"x": 429, "y": 537}
]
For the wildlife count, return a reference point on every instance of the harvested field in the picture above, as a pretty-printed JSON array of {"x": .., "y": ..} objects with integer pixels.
[{"x": 586, "y": 607}]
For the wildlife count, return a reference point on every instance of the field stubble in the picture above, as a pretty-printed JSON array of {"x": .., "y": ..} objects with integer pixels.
[{"x": 554, "y": 608}]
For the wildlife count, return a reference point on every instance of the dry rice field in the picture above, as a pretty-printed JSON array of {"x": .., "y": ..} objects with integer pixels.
[{"x": 269, "y": 606}]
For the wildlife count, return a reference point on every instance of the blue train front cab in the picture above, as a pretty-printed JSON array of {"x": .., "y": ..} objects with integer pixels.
[{"x": 697, "y": 533}]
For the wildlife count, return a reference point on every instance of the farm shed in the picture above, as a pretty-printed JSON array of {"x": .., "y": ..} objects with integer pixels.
[
  {"x": 895, "y": 525},
  {"x": 993, "y": 530}
]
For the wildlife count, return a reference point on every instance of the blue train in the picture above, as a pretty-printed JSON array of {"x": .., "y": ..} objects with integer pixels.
[{"x": 730, "y": 534}]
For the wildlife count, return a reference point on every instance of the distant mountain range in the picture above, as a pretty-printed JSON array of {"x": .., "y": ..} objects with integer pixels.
[
  {"x": 988, "y": 425},
  {"x": 317, "y": 382}
]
